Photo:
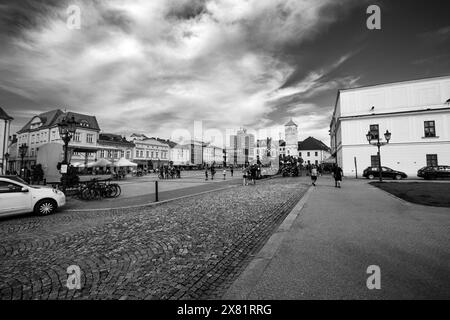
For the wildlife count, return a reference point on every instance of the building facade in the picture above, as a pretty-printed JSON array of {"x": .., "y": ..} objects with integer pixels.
[
  {"x": 43, "y": 129},
  {"x": 212, "y": 155},
  {"x": 5, "y": 127},
  {"x": 313, "y": 151},
  {"x": 416, "y": 113},
  {"x": 244, "y": 147},
  {"x": 196, "y": 152},
  {"x": 113, "y": 147},
  {"x": 180, "y": 155},
  {"x": 149, "y": 153},
  {"x": 267, "y": 149}
]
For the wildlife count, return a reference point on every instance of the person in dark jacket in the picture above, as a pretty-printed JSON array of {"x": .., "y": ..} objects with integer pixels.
[{"x": 337, "y": 173}]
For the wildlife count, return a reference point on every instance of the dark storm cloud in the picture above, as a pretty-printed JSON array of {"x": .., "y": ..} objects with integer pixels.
[
  {"x": 152, "y": 66},
  {"x": 186, "y": 10}
]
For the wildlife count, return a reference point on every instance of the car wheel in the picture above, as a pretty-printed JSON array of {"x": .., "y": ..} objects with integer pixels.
[
  {"x": 45, "y": 207},
  {"x": 398, "y": 177},
  {"x": 371, "y": 176}
]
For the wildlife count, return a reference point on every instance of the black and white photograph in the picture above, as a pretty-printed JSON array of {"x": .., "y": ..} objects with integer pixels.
[{"x": 235, "y": 151}]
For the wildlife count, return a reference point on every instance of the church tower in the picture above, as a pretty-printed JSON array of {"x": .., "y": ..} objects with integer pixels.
[{"x": 291, "y": 136}]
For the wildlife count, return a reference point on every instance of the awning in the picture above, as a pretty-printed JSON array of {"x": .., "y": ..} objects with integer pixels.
[
  {"x": 83, "y": 149},
  {"x": 100, "y": 163},
  {"x": 78, "y": 165},
  {"x": 125, "y": 163}
]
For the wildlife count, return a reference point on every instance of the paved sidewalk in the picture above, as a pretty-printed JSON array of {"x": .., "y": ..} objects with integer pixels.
[{"x": 324, "y": 252}]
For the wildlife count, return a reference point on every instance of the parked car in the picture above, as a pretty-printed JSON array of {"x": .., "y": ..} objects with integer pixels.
[
  {"x": 434, "y": 172},
  {"x": 373, "y": 172},
  {"x": 17, "y": 196}
]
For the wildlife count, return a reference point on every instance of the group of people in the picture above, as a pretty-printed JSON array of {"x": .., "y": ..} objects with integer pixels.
[
  {"x": 250, "y": 172},
  {"x": 167, "y": 172},
  {"x": 336, "y": 172}
]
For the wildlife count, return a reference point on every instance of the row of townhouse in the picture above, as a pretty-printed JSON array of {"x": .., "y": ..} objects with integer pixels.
[{"x": 39, "y": 142}]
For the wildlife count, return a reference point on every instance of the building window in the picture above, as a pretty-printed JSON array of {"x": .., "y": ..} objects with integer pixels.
[
  {"x": 430, "y": 129},
  {"x": 308, "y": 154},
  {"x": 102, "y": 153},
  {"x": 148, "y": 154},
  {"x": 432, "y": 160},
  {"x": 316, "y": 153},
  {"x": 32, "y": 138},
  {"x": 374, "y": 161},
  {"x": 300, "y": 154},
  {"x": 374, "y": 131},
  {"x": 90, "y": 138},
  {"x": 128, "y": 154},
  {"x": 77, "y": 137},
  {"x": 137, "y": 153}
]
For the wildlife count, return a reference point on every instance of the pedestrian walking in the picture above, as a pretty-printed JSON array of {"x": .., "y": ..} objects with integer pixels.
[
  {"x": 254, "y": 173},
  {"x": 224, "y": 174},
  {"x": 244, "y": 175},
  {"x": 337, "y": 173},
  {"x": 231, "y": 171},
  {"x": 206, "y": 174},
  {"x": 314, "y": 175}
]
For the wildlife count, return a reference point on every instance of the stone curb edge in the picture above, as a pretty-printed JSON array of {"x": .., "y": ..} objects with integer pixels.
[
  {"x": 244, "y": 284},
  {"x": 150, "y": 204}
]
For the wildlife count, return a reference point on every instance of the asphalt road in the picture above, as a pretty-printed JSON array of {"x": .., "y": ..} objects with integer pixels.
[{"x": 340, "y": 233}]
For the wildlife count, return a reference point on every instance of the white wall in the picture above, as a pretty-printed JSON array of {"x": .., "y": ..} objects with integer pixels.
[
  {"x": 403, "y": 157},
  {"x": 408, "y": 147},
  {"x": 395, "y": 97},
  {"x": 406, "y": 128},
  {"x": 321, "y": 156}
]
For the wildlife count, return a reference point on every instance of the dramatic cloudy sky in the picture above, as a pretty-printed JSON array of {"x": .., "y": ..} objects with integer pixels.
[{"x": 153, "y": 66}]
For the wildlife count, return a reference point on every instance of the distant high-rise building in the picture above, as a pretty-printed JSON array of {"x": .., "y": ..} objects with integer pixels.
[{"x": 245, "y": 145}]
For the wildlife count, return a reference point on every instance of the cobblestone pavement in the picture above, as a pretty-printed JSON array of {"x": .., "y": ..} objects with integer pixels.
[{"x": 187, "y": 249}]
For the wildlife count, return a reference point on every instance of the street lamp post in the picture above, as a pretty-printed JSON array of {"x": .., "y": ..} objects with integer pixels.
[
  {"x": 6, "y": 162},
  {"x": 224, "y": 151},
  {"x": 23, "y": 152},
  {"x": 67, "y": 129},
  {"x": 378, "y": 144}
]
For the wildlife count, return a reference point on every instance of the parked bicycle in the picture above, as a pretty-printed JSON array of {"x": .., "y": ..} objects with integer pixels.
[{"x": 96, "y": 190}]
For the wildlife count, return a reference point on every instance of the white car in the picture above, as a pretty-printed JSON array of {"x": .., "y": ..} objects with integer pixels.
[{"x": 17, "y": 196}]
